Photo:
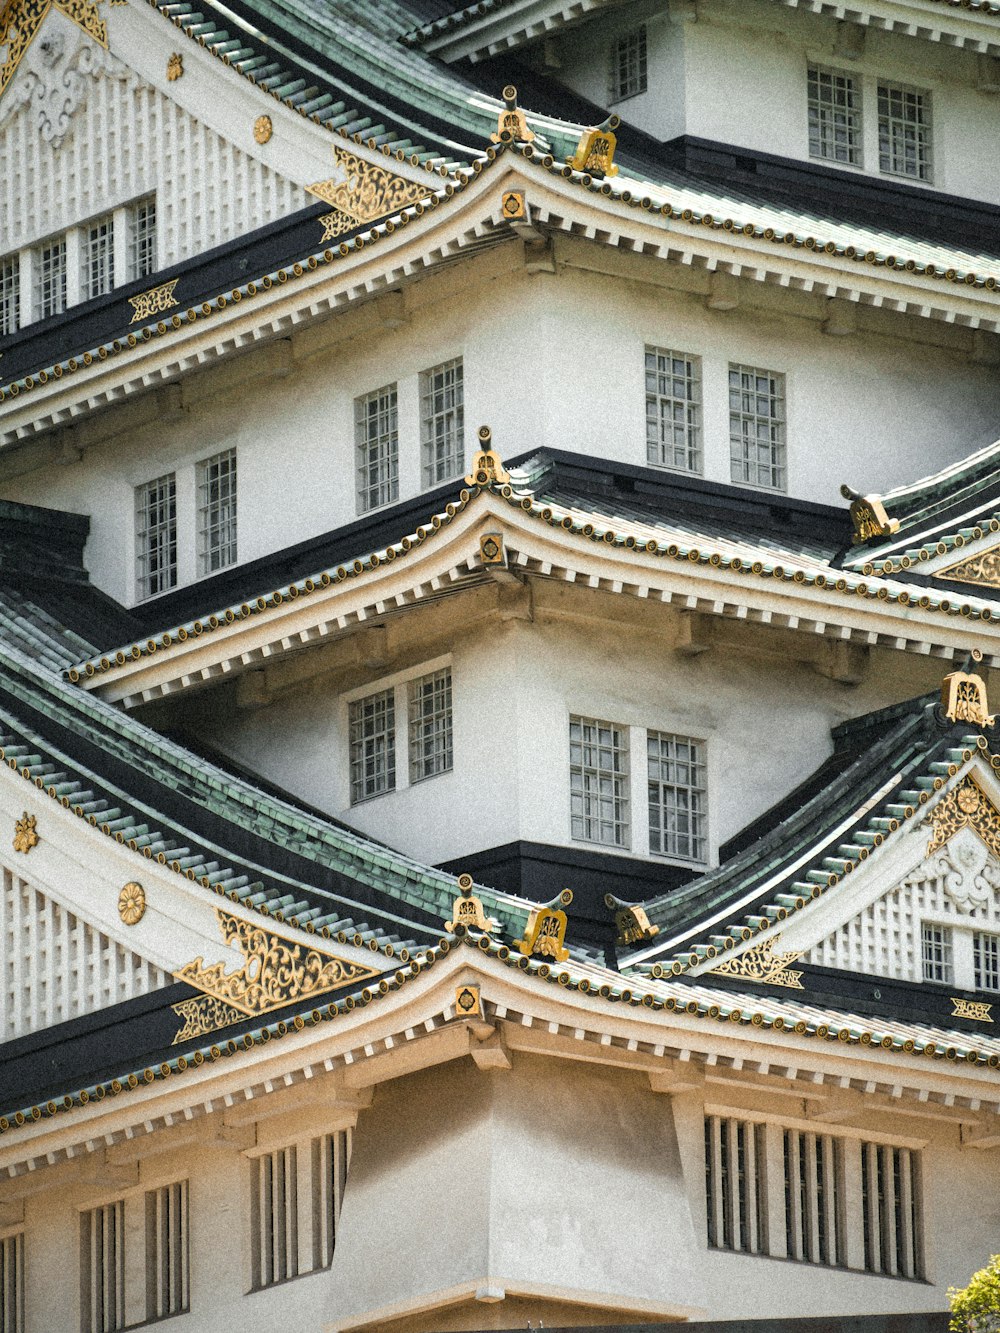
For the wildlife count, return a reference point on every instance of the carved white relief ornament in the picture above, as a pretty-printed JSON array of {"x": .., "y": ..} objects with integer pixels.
[{"x": 967, "y": 872}]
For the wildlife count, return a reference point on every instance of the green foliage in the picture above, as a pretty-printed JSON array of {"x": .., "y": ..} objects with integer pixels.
[{"x": 976, "y": 1308}]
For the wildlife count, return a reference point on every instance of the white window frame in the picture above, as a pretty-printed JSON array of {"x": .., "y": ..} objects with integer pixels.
[
  {"x": 744, "y": 452},
  {"x": 218, "y": 530},
  {"x": 986, "y": 960},
  {"x": 697, "y": 815},
  {"x": 628, "y": 75},
  {"x": 937, "y": 953},
  {"x": 148, "y": 539},
  {"x": 376, "y": 448},
  {"x": 430, "y": 735},
  {"x": 143, "y": 239},
  {"x": 10, "y": 294},
  {"x": 372, "y": 770},
  {"x": 823, "y": 116},
  {"x": 442, "y": 422},
  {"x": 587, "y": 780},
  {"x": 885, "y": 125},
  {"x": 673, "y": 413},
  {"x": 49, "y": 273},
  {"x": 97, "y": 257}
]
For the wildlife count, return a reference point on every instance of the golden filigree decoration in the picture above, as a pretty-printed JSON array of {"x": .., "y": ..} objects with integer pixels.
[
  {"x": 633, "y": 925},
  {"x": 965, "y": 806},
  {"x": 132, "y": 903},
  {"x": 175, "y": 66},
  {"x": 468, "y": 1001},
  {"x": 203, "y": 1014},
  {"x": 21, "y": 19},
  {"x": 25, "y": 833},
  {"x": 370, "y": 192},
  {"x": 596, "y": 150},
  {"x": 468, "y": 910},
  {"x": 274, "y": 972},
  {"x": 511, "y": 124},
  {"x": 262, "y": 129},
  {"x": 963, "y": 698},
  {"x": 868, "y": 516},
  {"x": 486, "y": 464},
  {"x": 545, "y": 931},
  {"x": 153, "y": 302},
  {"x": 764, "y": 964},
  {"x": 977, "y": 1010},
  {"x": 982, "y": 569}
]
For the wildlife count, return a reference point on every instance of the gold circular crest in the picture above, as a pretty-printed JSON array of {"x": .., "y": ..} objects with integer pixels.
[
  {"x": 968, "y": 800},
  {"x": 132, "y": 904},
  {"x": 262, "y": 129}
]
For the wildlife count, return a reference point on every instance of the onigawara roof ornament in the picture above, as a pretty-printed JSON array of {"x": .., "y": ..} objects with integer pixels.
[
  {"x": 963, "y": 696},
  {"x": 468, "y": 910},
  {"x": 486, "y": 464},
  {"x": 631, "y": 922},
  {"x": 868, "y": 516},
  {"x": 511, "y": 124},
  {"x": 545, "y": 930},
  {"x": 596, "y": 150}
]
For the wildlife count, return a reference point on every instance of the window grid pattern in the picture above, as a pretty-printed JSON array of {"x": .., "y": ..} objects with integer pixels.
[
  {"x": 331, "y": 1156},
  {"x": 904, "y": 131},
  {"x": 673, "y": 409},
  {"x": 217, "y": 512},
  {"x": 12, "y": 1284},
  {"x": 50, "y": 279},
  {"x": 442, "y": 421},
  {"x": 372, "y": 728},
  {"x": 430, "y": 725},
  {"x": 757, "y": 427},
  {"x": 142, "y": 240},
  {"x": 814, "y": 1222},
  {"x": 274, "y": 1217},
  {"x": 102, "y": 1269},
  {"x": 735, "y": 1184},
  {"x": 986, "y": 961},
  {"x": 167, "y": 1251},
  {"x": 156, "y": 536},
  {"x": 629, "y": 68},
  {"x": 891, "y": 1208},
  {"x": 10, "y": 295},
  {"x": 677, "y": 795},
  {"x": 98, "y": 251},
  {"x": 598, "y": 781},
  {"x": 376, "y": 431},
  {"x": 936, "y": 951},
  {"x": 834, "y": 117}
]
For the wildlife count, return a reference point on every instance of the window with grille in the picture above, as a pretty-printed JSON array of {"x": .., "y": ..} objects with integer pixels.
[
  {"x": 331, "y": 1156},
  {"x": 372, "y": 727},
  {"x": 757, "y": 427},
  {"x": 598, "y": 776},
  {"x": 142, "y": 240},
  {"x": 986, "y": 961},
  {"x": 217, "y": 512},
  {"x": 442, "y": 422},
  {"x": 50, "y": 278},
  {"x": 936, "y": 951},
  {"x": 834, "y": 116},
  {"x": 735, "y": 1190},
  {"x": 10, "y": 295},
  {"x": 628, "y": 65},
  {"x": 814, "y": 1197},
  {"x": 673, "y": 409},
  {"x": 430, "y": 725},
  {"x": 904, "y": 131},
  {"x": 167, "y": 1251},
  {"x": 12, "y": 1284},
  {"x": 98, "y": 256},
  {"x": 274, "y": 1217},
  {"x": 156, "y": 536},
  {"x": 102, "y": 1268},
  {"x": 376, "y": 433},
  {"x": 677, "y": 795},
  {"x": 891, "y": 1207}
]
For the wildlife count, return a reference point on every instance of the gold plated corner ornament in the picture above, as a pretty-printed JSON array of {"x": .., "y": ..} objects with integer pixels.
[
  {"x": 965, "y": 806},
  {"x": 596, "y": 150},
  {"x": 468, "y": 910},
  {"x": 25, "y": 833},
  {"x": 868, "y": 516},
  {"x": 370, "y": 192},
  {"x": 511, "y": 124},
  {"x": 486, "y": 465},
  {"x": 545, "y": 931},
  {"x": 762, "y": 963},
  {"x": 963, "y": 698},
  {"x": 21, "y": 19}
]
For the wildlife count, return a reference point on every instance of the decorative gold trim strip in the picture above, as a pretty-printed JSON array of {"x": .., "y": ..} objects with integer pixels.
[
  {"x": 977, "y": 1010},
  {"x": 153, "y": 302},
  {"x": 762, "y": 963}
]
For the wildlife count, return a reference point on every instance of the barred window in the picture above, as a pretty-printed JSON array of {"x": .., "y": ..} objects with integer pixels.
[
  {"x": 598, "y": 781},
  {"x": 50, "y": 278},
  {"x": 142, "y": 240},
  {"x": 904, "y": 131},
  {"x": 372, "y": 727},
  {"x": 217, "y": 512},
  {"x": 156, "y": 536},
  {"x": 102, "y": 1268},
  {"x": 98, "y": 255},
  {"x": 442, "y": 422},
  {"x": 331, "y": 1156},
  {"x": 376, "y": 433},
  {"x": 274, "y": 1217},
  {"x": 735, "y": 1189},
  {"x": 986, "y": 960},
  {"x": 628, "y": 65},
  {"x": 937, "y": 953},
  {"x": 677, "y": 795},
  {"x": 814, "y": 1197},
  {"x": 673, "y": 409},
  {"x": 834, "y": 116},
  {"x": 757, "y": 426},
  {"x": 891, "y": 1207},
  {"x": 430, "y": 725},
  {"x": 12, "y": 1284},
  {"x": 10, "y": 295},
  {"x": 167, "y": 1251}
]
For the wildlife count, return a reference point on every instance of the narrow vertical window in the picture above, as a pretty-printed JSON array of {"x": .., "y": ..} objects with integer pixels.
[
  {"x": 142, "y": 240},
  {"x": 814, "y": 1197},
  {"x": 167, "y": 1251},
  {"x": 156, "y": 536},
  {"x": 629, "y": 65},
  {"x": 331, "y": 1157},
  {"x": 217, "y": 512},
  {"x": 376, "y": 433},
  {"x": 734, "y": 1184},
  {"x": 98, "y": 257},
  {"x": 102, "y": 1269},
  {"x": 10, "y": 295},
  {"x": 50, "y": 278},
  {"x": 673, "y": 409},
  {"x": 430, "y": 725},
  {"x": 834, "y": 117},
  {"x": 274, "y": 1217},
  {"x": 598, "y": 776},
  {"x": 12, "y": 1284},
  {"x": 757, "y": 427},
  {"x": 936, "y": 953},
  {"x": 986, "y": 960},
  {"x": 892, "y": 1209},
  {"x": 904, "y": 131},
  {"x": 372, "y": 726},
  {"x": 677, "y": 796},
  {"x": 442, "y": 422}
]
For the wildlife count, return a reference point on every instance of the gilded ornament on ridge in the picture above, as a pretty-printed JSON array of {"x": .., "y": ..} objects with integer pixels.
[
  {"x": 982, "y": 569},
  {"x": 511, "y": 124},
  {"x": 468, "y": 910},
  {"x": 25, "y": 833},
  {"x": 203, "y": 1014},
  {"x": 486, "y": 465},
  {"x": 370, "y": 192},
  {"x": 868, "y": 516},
  {"x": 262, "y": 129},
  {"x": 132, "y": 903},
  {"x": 764, "y": 964},
  {"x": 963, "y": 698},
  {"x": 596, "y": 150},
  {"x": 545, "y": 931},
  {"x": 965, "y": 806},
  {"x": 175, "y": 66}
]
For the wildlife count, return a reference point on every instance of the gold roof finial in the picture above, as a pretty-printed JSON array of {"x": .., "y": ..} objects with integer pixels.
[
  {"x": 631, "y": 922},
  {"x": 486, "y": 464},
  {"x": 963, "y": 696},
  {"x": 868, "y": 516},
  {"x": 511, "y": 124},
  {"x": 468, "y": 911},
  {"x": 596, "y": 150},
  {"x": 545, "y": 930}
]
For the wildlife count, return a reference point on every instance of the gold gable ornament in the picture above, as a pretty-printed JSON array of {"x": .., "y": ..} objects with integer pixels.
[
  {"x": 596, "y": 150},
  {"x": 486, "y": 465},
  {"x": 965, "y": 806},
  {"x": 631, "y": 922},
  {"x": 545, "y": 930},
  {"x": 370, "y": 191},
  {"x": 468, "y": 910},
  {"x": 982, "y": 569},
  {"x": 511, "y": 124},
  {"x": 762, "y": 963},
  {"x": 963, "y": 697},
  {"x": 21, "y": 19},
  {"x": 868, "y": 516}
]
